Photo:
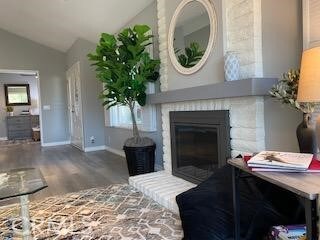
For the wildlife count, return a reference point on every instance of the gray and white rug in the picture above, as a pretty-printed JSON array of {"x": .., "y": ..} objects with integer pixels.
[{"x": 118, "y": 212}]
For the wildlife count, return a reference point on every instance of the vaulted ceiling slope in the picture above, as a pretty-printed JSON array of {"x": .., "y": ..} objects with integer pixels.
[{"x": 58, "y": 23}]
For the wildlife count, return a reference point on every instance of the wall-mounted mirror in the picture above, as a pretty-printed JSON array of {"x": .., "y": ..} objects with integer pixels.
[
  {"x": 17, "y": 94},
  {"x": 192, "y": 35}
]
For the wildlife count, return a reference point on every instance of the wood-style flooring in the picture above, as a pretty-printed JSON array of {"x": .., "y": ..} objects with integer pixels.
[{"x": 65, "y": 168}]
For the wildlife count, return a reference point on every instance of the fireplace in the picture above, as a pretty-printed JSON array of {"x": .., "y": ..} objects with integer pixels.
[{"x": 200, "y": 143}]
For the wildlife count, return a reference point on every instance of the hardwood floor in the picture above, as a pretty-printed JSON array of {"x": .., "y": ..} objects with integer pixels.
[{"x": 65, "y": 168}]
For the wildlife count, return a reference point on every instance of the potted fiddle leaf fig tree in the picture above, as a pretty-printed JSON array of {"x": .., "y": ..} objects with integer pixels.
[{"x": 124, "y": 66}]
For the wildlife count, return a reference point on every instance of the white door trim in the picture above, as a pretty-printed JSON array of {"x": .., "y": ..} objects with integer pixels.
[{"x": 75, "y": 65}]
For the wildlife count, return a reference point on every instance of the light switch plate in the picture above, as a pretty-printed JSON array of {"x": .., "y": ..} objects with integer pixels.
[{"x": 46, "y": 107}]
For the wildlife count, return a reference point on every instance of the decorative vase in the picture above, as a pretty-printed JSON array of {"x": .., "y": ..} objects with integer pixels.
[
  {"x": 231, "y": 66},
  {"x": 10, "y": 114},
  {"x": 306, "y": 135}
]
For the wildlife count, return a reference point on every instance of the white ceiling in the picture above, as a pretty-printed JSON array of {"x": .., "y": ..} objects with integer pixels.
[{"x": 58, "y": 23}]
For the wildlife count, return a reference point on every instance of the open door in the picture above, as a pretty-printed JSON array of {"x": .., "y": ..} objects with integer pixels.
[{"x": 75, "y": 106}]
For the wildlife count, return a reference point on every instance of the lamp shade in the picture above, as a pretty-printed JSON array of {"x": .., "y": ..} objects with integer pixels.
[{"x": 309, "y": 82}]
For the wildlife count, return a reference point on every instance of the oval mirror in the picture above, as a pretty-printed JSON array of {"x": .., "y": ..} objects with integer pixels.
[{"x": 192, "y": 35}]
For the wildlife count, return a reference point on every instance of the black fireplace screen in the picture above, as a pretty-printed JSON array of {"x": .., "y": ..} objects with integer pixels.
[
  {"x": 197, "y": 150},
  {"x": 199, "y": 145}
]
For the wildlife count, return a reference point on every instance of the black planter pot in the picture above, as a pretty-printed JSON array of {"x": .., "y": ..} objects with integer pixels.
[
  {"x": 140, "y": 160},
  {"x": 306, "y": 136}
]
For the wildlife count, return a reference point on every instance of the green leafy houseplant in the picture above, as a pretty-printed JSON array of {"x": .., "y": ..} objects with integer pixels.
[
  {"x": 191, "y": 57},
  {"x": 125, "y": 67},
  {"x": 9, "y": 109},
  {"x": 287, "y": 90}
]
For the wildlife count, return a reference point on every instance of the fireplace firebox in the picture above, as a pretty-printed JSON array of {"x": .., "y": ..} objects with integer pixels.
[{"x": 200, "y": 143}]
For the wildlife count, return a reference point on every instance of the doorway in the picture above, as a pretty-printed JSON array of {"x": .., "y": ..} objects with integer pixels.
[
  {"x": 20, "y": 121},
  {"x": 75, "y": 106}
]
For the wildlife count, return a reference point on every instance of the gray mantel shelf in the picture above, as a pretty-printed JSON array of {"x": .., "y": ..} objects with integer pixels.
[{"x": 240, "y": 88}]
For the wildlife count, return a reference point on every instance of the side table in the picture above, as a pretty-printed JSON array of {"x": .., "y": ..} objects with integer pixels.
[{"x": 306, "y": 185}]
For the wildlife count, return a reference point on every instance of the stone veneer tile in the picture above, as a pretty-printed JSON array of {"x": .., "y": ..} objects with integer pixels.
[
  {"x": 246, "y": 121},
  {"x": 247, "y": 134},
  {"x": 244, "y": 35}
]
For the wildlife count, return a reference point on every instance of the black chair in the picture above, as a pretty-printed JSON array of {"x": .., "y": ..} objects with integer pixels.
[{"x": 206, "y": 211}]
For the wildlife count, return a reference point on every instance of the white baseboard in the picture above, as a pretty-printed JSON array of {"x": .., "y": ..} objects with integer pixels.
[
  {"x": 3, "y": 138},
  {"x": 52, "y": 144},
  {"x": 115, "y": 151},
  {"x": 93, "y": 149},
  {"x": 158, "y": 168}
]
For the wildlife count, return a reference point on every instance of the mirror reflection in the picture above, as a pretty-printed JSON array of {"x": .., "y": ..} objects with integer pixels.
[
  {"x": 191, "y": 35},
  {"x": 17, "y": 94}
]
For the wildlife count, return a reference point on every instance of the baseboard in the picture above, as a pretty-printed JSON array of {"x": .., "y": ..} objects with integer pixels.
[
  {"x": 52, "y": 144},
  {"x": 93, "y": 149},
  {"x": 158, "y": 168},
  {"x": 3, "y": 138},
  {"x": 115, "y": 151}
]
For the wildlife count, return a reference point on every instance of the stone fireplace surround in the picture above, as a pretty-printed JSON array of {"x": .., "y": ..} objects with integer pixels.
[
  {"x": 243, "y": 33},
  {"x": 246, "y": 121},
  {"x": 247, "y": 135}
]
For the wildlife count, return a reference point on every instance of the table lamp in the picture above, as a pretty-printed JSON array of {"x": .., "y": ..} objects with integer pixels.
[{"x": 309, "y": 82}]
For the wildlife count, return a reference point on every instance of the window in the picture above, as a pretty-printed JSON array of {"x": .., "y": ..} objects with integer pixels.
[
  {"x": 311, "y": 23},
  {"x": 120, "y": 116}
]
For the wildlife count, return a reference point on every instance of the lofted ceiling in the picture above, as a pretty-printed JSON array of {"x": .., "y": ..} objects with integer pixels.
[{"x": 58, "y": 23}]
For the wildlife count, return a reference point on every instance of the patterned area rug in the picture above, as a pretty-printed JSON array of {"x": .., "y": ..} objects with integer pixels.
[
  {"x": 7, "y": 143},
  {"x": 118, "y": 212}
]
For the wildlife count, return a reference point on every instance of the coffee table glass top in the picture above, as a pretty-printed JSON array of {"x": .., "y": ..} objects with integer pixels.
[{"x": 19, "y": 182}]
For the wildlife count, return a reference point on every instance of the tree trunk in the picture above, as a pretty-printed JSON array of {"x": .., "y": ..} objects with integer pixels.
[{"x": 135, "y": 130}]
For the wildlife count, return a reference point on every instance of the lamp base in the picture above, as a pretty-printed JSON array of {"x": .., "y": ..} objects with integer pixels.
[
  {"x": 307, "y": 136},
  {"x": 318, "y": 134}
]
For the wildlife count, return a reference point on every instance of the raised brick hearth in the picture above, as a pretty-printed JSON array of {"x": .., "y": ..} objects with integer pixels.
[{"x": 247, "y": 135}]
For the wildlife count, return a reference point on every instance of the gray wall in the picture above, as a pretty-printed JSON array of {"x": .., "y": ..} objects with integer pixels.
[
  {"x": 281, "y": 36},
  {"x": 9, "y": 78},
  {"x": 212, "y": 72},
  {"x": 282, "y": 46},
  {"x": 281, "y": 43},
  {"x": 281, "y": 49},
  {"x": 93, "y": 119},
  {"x": 196, "y": 29},
  {"x": 179, "y": 42},
  {"x": 22, "y": 54},
  {"x": 115, "y": 137},
  {"x": 281, "y": 122},
  {"x": 199, "y": 37}
]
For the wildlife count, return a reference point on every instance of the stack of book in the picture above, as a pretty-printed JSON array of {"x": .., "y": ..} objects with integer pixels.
[
  {"x": 270, "y": 161},
  {"x": 294, "y": 232}
]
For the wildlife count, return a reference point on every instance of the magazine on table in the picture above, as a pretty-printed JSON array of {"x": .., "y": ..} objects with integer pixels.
[
  {"x": 293, "y": 232},
  {"x": 281, "y": 160}
]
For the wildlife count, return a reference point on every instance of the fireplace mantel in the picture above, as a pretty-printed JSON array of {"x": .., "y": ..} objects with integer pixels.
[{"x": 240, "y": 88}]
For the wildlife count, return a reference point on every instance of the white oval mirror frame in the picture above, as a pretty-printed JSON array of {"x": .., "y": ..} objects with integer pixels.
[{"x": 212, "y": 38}]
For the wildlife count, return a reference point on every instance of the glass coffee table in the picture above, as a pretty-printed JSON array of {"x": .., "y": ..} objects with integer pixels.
[{"x": 21, "y": 183}]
